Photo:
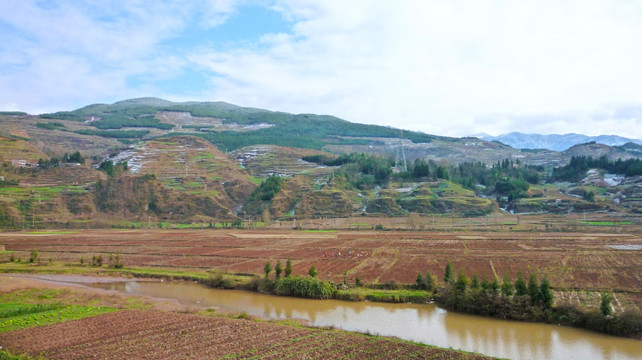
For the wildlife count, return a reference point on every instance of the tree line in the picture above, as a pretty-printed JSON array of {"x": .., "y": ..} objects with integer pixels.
[
  {"x": 528, "y": 301},
  {"x": 577, "y": 167},
  {"x": 55, "y": 161}
]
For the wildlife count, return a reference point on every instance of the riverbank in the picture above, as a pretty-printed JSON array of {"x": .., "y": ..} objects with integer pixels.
[
  {"x": 425, "y": 323},
  {"x": 141, "y": 327},
  {"x": 627, "y": 324}
]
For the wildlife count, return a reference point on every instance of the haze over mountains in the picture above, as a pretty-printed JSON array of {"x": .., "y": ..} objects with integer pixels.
[{"x": 555, "y": 141}]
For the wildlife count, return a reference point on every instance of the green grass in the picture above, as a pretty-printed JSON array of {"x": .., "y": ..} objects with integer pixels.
[
  {"x": 168, "y": 225},
  {"x": 388, "y": 296},
  {"x": 52, "y": 232},
  {"x": 203, "y": 156},
  {"x": 5, "y": 355},
  {"x": 606, "y": 223},
  {"x": 41, "y": 193},
  {"x": 257, "y": 181},
  {"x": 8, "y": 310},
  {"x": 66, "y": 313}
]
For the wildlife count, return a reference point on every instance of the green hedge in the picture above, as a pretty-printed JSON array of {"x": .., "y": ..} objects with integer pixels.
[{"x": 304, "y": 287}]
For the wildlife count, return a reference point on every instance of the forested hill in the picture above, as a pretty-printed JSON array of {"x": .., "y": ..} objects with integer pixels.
[{"x": 228, "y": 126}]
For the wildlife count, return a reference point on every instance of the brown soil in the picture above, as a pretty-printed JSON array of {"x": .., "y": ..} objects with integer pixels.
[
  {"x": 144, "y": 334},
  {"x": 569, "y": 260}
]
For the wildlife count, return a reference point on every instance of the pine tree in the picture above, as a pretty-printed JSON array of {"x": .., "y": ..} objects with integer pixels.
[
  {"x": 449, "y": 274},
  {"x": 313, "y": 271},
  {"x": 420, "y": 281},
  {"x": 494, "y": 286},
  {"x": 485, "y": 284},
  {"x": 278, "y": 270},
  {"x": 533, "y": 289},
  {"x": 605, "y": 306},
  {"x": 288, "y": 268},
  {"x": 545, "y": 294},
  {"x": 268, "y": 269},
  {"x": 431, "y": 281},
  {"x": 461, "y": 283},
  {"x": 474, "y": 282},
  {"x": 520, "y": 285},
  {"x": 507, "y": 287}
]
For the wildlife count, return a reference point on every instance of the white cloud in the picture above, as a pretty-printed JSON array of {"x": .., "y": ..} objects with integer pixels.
[
  {"x": 441, "y": 67},
  {"x": 69, "y": 54}
]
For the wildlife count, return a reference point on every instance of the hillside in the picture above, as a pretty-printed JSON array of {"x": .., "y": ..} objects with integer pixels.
[
  {"x": 225, "y": 125},
  {"x": 100, "y": 129},
  {"x": 152, "y": 161}
]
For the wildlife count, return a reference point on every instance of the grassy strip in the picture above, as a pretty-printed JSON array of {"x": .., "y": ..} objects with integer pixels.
[
  {"x": 217, "y": 280},
  {"x": 5, "y": 355},
  {"x": 606, "y": 223},
  {"x": 66, "y": 313},
  {"x": 17, "y": 309},
  {"x": 387, "y": 296}
]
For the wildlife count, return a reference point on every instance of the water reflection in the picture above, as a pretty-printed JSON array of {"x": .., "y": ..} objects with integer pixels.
[{"x": 422, "y": 323}]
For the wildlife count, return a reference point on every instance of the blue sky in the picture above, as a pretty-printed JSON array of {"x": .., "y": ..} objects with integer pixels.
[{"x": 449, "y": 68}]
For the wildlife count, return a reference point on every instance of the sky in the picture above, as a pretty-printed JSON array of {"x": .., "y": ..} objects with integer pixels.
[{"x": 451, "y": 68}]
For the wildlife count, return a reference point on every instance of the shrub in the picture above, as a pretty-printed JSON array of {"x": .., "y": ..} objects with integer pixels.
[
  {"x": 219, "y": 281},
  {"x": 117, "y": 263},
  {"x": 310, "y": 287},
  {"x": 261, "y": 285},
  {"x": 34, "y": 256},
  {"x": 97, "y": 260},
  {"x": 313, "y": 271}
]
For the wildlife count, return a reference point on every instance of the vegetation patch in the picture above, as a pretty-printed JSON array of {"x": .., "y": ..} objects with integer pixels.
[
  {"x": 61, "y": 314},
  {"x": 308, "y": 287},
  {"x": 117, "y": 134},
  {"x": 606, "y": 223}
]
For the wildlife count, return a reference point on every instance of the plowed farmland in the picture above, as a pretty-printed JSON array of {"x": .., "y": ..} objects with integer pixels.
[
  {"x": 146, "y": 334},
  {"x": 569, "y": 260}
]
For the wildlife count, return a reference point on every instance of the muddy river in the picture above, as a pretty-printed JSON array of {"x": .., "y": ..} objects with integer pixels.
[{"x": 427, "y": 324}]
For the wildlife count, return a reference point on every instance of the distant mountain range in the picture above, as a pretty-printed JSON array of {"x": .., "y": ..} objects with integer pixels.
[{"x": 555, "y": 141}]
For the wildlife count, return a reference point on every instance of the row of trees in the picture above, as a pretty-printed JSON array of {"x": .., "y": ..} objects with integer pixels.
[
  {"x": 288, "y": 285},
  {"x": 505, "y": 178},
  {"x": 578, "y": 166},
  {"x": 462, "y": 293},
  {"x": 287, "y": 271},
  {"x": 529, "y": 301},
  {"x": 54, "y": 161}
]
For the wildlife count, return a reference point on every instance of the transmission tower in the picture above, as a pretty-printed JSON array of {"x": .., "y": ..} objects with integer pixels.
[{"x": 400, "y": 160}]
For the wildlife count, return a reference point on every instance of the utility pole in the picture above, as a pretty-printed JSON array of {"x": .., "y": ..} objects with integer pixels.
[{"x": 400, "y": 159}]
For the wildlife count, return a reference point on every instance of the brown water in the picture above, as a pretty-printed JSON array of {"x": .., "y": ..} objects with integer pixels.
[{"x": 427, "y": 324}]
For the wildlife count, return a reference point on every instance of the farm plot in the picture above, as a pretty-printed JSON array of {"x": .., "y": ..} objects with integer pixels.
[
  {"x": 569, "y": 260},
  {"x": 145, "y": 334}
]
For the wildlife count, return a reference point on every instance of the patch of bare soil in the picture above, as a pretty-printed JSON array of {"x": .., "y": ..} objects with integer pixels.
[{"x": 143, "y": 334}]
